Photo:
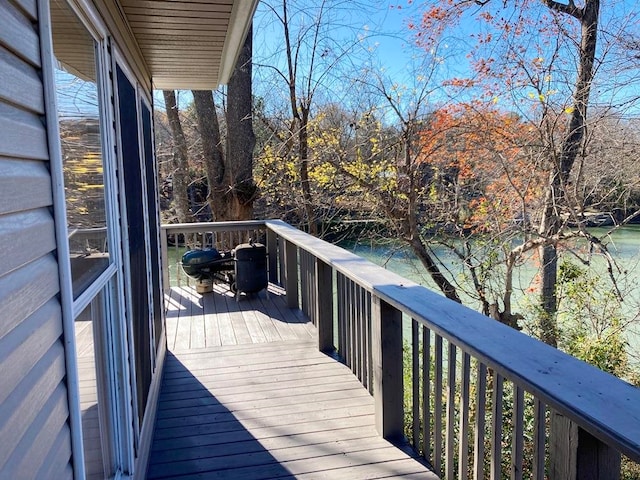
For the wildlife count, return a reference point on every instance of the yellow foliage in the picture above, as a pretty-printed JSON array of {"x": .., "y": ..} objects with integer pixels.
[{"x": 323, "y": 174}]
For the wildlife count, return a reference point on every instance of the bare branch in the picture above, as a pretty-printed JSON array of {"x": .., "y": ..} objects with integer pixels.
[{"x": 568, "y": 9}]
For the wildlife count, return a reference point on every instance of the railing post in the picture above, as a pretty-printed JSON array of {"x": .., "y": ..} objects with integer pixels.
[
  {"x": 291, "y": 273},
  {"x": 387, "y": 368},
  {"x": 578, "y": 455},
  {"x": 272, "y": 255},
  {"x": 164, "y": 258},
  {"x": 324, "y": 305}
]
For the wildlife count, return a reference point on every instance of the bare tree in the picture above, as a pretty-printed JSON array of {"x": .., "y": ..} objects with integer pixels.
[
  {"x": 311, "y": 54},
  {"x": 569, "y": 149},
  {"x": 180, "y": 174},
  {"x": 229, "y": 171}
]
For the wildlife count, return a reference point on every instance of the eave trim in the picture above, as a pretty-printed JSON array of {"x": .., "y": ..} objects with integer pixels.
[{"x": 241, "y": 18}]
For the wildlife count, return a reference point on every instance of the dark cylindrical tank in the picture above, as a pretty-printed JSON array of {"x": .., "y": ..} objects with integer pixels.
[{"x": 251, "y": 267}]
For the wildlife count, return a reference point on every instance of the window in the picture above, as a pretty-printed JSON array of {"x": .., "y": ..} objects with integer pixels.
[
  {"x": 78, "y": 95},
  {"x": 81, "y": 114}
]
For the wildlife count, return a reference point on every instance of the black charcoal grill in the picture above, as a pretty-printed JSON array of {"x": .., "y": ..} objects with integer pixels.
[
  {"x": 244, "y": 268},
  {"x": 250, "y": 267},
  {"x": 207, "y": 266}
]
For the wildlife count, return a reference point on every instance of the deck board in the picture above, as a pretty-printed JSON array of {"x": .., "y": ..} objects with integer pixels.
[
  {"x": 249, "y": 396},
  {"x": 88, "y": 389}
]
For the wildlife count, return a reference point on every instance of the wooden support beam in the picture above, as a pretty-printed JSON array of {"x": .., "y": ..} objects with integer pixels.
[
  {"x": 291, "y": 274},
  {"x": 387, "y": 369},
  {"x": 272, "y": 255},
  {"x": 164, "y": 259},
  {"x": 324, "y": 306},
  {"x": 578, "y": 455}
]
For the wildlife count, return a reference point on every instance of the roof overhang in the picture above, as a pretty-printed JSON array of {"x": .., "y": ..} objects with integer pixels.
[{"x": 191, "y": 45}]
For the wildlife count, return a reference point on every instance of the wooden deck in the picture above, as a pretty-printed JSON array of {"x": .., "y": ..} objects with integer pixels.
[
  {"x": 87, "y": 379},
  {"x": 216, "y": 319},
  {"x": 247, "y": 395}
]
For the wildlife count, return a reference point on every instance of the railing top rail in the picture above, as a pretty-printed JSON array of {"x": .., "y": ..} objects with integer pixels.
[
  {"x": 358, "y": 269},
  {"x": 212, "y": 226},
  {"x": 600, "y": 403}
]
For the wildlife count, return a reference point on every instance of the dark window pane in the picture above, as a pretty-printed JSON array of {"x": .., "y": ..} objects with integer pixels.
[
  {"x": 152, "y": 209},
  {"x": 133, "y": 189}
]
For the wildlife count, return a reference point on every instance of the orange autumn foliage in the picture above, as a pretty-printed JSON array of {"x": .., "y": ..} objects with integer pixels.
[{"x": 484, "y": 162}]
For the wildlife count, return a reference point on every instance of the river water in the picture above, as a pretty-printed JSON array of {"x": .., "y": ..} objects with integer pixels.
[{"x": 623, "y": 244}]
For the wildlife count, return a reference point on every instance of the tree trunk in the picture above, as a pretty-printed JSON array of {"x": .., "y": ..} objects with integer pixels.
[
  {"x": 180, "y": 180},
  {"x": 303, "y": 145},
  {"x": 209, "y": 128},
  {"x": 570, "y": 148},
  {"x": 440, "y": 280},
  {"x": 548, "y": 298},
  {"x": 240, "y": 137}
]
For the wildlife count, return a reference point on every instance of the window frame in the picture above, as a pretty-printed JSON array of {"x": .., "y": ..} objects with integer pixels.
[
  {"x": 105, "y": 291},
  {"x": 118, "y": 60}
]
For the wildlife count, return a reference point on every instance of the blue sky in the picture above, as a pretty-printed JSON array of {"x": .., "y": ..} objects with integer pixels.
[
  {"x": 383, "y": 26},
  {"x": 388, "y": 45}
]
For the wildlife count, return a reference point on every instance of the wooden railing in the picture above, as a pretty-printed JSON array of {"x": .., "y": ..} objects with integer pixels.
[
  {"x": 224, "y": 236},
  {"x": 476, "y": 398}
]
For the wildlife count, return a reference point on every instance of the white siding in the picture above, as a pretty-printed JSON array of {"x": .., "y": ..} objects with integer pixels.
[{"x": 34, "y": 430}]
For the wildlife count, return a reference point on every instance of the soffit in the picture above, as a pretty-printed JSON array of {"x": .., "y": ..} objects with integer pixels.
[{"x": 189, "y": 44}]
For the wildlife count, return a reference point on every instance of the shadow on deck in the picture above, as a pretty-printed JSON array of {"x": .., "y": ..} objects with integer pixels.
[{"x": 247, "y": 395}]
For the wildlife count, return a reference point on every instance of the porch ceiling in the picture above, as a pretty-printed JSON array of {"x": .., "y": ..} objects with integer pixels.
[{"x": 189, "y": 44}]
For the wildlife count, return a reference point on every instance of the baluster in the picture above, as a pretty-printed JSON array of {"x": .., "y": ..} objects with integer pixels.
[
  {"x": 176, "y": 247},
  {"x": 415, "y": 382},
  {"x": 350, "y": 316},
  {"x": 451, "y": 412},
  {"x": 363, "y": 340},
  {"x": 463, "y": 439},
  {"x": 496, "y": 427},
  {"x": 387, "y": 369},
  {"x": 437, "y": 421},
  {"x": 539, "y": 438},
  {"x": 426, "y": 393},
  {"x": 324, "y": 305},
  {"x": 347, "y": 322},
  {"x": 306, "y": 297},
  {"x": 481, "y": 405},
  {"x": 304, "y": 281},
  {"x": 272, "y": 255},
  {"x": 313, "y": 292},
  {"x": 354, "y": 327},
  {"x": 310, "y": 282},
  {"x": 518, "y": 436},
  {"x": 291, "y": 278},
  {"x": 282, "y": 263},
  {"x": 341, "y": 321},
  {"x": 368, "y": 316},
  {"x": 361, "y": 335},
  {"x": 164, "y": 256},
  {"x": 310, "y": 287}
]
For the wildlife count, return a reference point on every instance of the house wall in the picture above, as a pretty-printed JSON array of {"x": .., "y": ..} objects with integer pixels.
[{"x": 35, "y": 439}]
